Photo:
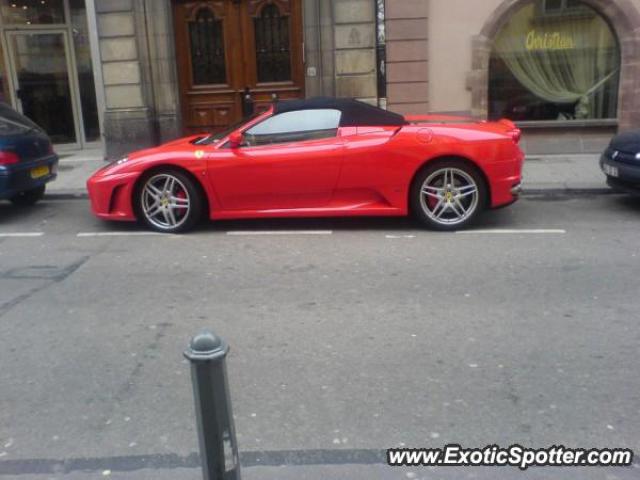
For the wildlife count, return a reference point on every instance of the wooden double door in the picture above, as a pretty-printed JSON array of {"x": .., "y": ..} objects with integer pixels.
[{"x": 226, "y": 46}]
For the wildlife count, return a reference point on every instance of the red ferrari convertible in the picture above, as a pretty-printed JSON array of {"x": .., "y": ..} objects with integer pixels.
[{"x": 319, "y": 157}]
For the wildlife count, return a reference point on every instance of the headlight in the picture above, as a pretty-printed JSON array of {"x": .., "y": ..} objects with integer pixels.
[{"x": 114, "y": 164}]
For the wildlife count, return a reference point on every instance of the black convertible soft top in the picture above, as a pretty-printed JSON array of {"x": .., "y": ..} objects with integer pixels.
[{"x": 354, "y": 112}]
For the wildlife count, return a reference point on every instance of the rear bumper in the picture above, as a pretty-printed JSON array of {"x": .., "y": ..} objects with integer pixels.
[
  {"x": 506, "y": 191},
  {"x": 505, "y": 180},
  {"x": 18, "y": 178},
  {"x": 516, "y": 190}
]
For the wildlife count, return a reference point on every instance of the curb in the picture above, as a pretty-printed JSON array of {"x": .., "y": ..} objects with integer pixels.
[
  {"x": 67, "y": 195},
  {"x": 555, "y": 192}
]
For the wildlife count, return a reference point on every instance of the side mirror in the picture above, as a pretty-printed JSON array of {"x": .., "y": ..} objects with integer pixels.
[{"x": 235, "y": 140}]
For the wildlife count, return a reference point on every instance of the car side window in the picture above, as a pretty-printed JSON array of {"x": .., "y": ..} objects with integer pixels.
[{"x": 294, "y": 126}]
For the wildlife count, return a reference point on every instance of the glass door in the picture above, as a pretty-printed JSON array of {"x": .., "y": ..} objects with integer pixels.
[{"x": 41, "y": 66}]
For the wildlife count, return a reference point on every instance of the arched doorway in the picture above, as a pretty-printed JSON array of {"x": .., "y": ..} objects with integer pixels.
[
  {"x": 618, "y": 16},
  {"x": 225, "y": 46}
]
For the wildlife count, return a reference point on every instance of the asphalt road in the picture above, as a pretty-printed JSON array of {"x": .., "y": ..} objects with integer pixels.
[{"x": 348, "y": 337}]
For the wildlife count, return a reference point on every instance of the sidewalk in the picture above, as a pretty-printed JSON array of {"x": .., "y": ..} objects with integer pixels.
[
  {"x": 546, "y": 174},
  {"x": 74, "y": 170},
  {"x": 543, "y": 175}
]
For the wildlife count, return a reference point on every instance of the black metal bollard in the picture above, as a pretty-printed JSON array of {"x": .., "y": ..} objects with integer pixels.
[
  {"x": 216, "y": 432},
  {"x": 248, "y": 105}
]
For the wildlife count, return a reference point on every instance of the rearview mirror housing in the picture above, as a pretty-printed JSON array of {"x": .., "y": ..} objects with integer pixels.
[{"x": 235, "y": 140}]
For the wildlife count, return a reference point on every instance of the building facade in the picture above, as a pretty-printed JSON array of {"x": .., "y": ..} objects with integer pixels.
[
  {"x": 171, "y": 67},
  {"x": 125, "y": 74},
  {"x": 567, "y": 71}
]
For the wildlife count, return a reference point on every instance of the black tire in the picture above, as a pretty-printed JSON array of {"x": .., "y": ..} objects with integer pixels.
[
  {"x": 421, "y": 204},
  {"x": 28, "y": 198},
  {"x": 186, "y": 186}
]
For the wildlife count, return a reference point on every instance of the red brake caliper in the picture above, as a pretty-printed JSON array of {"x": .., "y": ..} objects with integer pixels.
[{"x": 182, "y": 196}]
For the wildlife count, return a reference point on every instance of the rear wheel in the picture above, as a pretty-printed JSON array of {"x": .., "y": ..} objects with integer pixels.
[
  {"x": 169, "y": 202},
  {"x": 448, "y": 195},
  {"x": 28, "y": 198}
]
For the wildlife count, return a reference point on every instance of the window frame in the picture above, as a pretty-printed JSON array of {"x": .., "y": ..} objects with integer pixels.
[
  {"x": 283, "y": 18},
  {"x": 292, "y": 136},
  {"x": 563, "y": 10},
  {"x": 218, "y": 23}
]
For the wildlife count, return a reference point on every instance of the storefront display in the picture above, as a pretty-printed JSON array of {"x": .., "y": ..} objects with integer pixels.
[{"x": 560, "y": 63}]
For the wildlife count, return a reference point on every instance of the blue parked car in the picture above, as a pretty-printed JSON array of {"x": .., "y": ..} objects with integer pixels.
[
  {"x": 27, "y": 159},
  {"x": 621, "y": 162}
]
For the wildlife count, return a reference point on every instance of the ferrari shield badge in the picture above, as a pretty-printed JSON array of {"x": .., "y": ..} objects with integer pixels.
[{"x": 199, "y": 154}]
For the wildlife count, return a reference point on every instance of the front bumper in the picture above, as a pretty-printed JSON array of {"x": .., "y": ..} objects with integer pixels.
[
  {"x": 111, "y": 195},
  {"x": 621, "y": 175}
]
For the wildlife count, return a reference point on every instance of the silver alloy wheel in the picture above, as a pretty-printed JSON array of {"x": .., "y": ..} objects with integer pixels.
[
  {"x": 449, "y": 196},
  {"x": 165, "y": 201}
]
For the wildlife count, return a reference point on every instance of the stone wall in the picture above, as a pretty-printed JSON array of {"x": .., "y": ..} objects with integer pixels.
[
  {"x": 407, "y": 52},
  {"x": 138, "y": 68},
  {"x": 160, "y": 63},
  {"x": 340, "y": 48},
  {"x": 127, "y": 120},
  {"x": 319, "y": 48},
  {"x": 355, "y": 49}
]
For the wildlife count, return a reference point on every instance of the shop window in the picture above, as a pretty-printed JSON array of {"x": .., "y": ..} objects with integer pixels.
[
  {"x": 44, "y": 83},
  {"x": 551, "y": 6},
  {"x": 561, "y": 6},
  {"x": 32, "y": 12},
  {"x": 554, "y": 60},
  {"x": 273, "y": 47}
]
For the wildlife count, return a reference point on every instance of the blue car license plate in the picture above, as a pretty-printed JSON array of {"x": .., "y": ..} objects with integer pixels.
[{"x": 39, "y": 172}]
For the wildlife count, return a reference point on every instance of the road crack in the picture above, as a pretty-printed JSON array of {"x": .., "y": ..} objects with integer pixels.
[{"x": 51, "y": 279}]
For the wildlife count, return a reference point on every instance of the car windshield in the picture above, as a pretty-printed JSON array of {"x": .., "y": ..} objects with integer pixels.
[
  {"x": 13, "y": 123},
  {"x": 216, "y": 137}
]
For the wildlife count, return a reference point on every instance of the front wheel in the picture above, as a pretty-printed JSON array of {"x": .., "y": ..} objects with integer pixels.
[
  {"x": 448, "y": 195},
  {"x": 29, "y": 198},
  {"x": 169, "y": 202}
]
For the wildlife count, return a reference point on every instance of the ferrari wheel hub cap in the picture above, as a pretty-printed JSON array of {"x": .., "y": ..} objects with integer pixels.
[
  {"x": 165, "y": 201},
  {"x": 449, "y": 196}
]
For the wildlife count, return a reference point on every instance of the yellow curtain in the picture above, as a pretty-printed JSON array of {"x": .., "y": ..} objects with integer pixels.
[{"x": 567, "y": 58}]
